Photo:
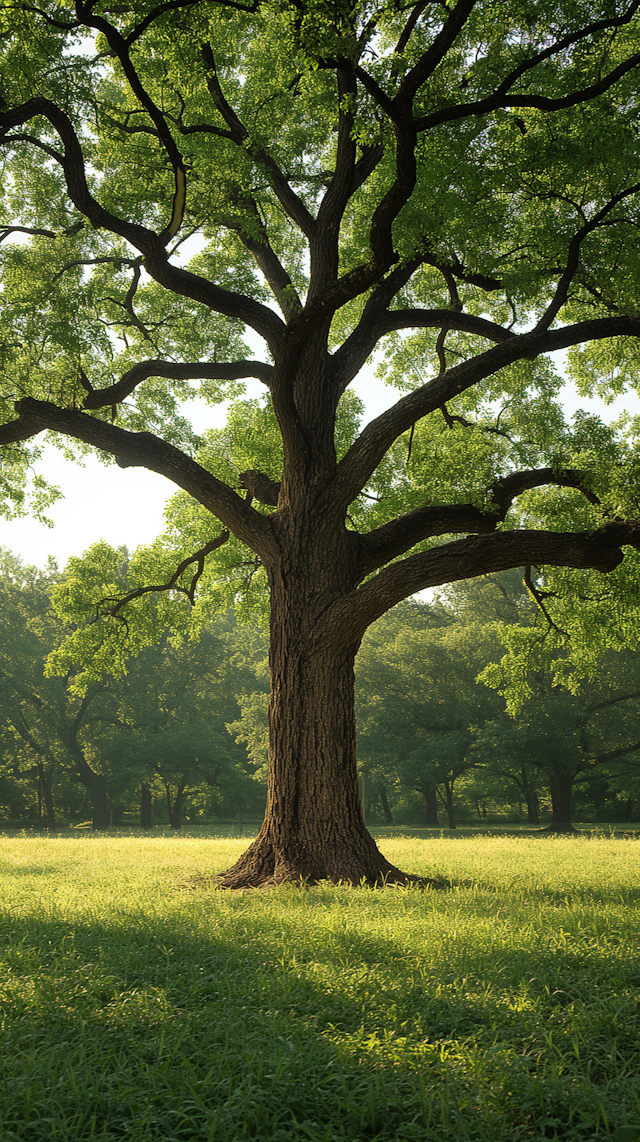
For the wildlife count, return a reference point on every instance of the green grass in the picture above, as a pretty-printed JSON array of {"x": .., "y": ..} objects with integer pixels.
[{"x": 135, "y": 1005}]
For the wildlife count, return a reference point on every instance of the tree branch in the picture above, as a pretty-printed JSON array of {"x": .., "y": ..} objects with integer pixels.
[
  {"x": 428, "y": 63},
  {"x": 478, "y": 555},
  {"x": 612, "y": 754},
  {"x": 106, "y": 259},
  {"x": 172, "y": 585},
  {"x": 409, "y": 26},
  {"x": 260, "y": 487},
  {"x": 155, "y": 13},
  {"x": 53, "y": 23},
  {"x": 503, "y": 96},
  {"x": 175, "y": 371},
  {"x": 573, "y": 258},
  {"x": 259, "y": 317},
  {"x": 324, "y": 244},
  {"x": 365, "y": 166},
  {"x": 356, "y": 467},
  {"x": 120, "y": 48},
  {"x": 143, "y": 449},
  {"x": 359, "y": 346},
  {"x": 6, "y": 231},
  {"x": 613, "y": 701},
  {"x": 392, "y": 539},
  {"x": 266, "y": 258},
  {"x": 352, "y": 354},
  {"x": 538, "y": 598},
  {"x": 288, "y": 199}
]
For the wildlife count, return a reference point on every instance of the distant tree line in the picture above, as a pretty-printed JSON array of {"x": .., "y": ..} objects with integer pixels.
[
  {"x": 152, "y": 743},
  {"x": 435, "y": 734},
  {"x": 181, "y": 734}
]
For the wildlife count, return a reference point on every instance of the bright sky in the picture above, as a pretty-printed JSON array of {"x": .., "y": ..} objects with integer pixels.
[{"x": 125, "y": 506}]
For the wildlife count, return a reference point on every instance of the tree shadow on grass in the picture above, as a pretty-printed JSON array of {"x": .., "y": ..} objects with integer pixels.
[
  {"x": 272, "y": 1025},
  {"x": 33, "y": 871}
]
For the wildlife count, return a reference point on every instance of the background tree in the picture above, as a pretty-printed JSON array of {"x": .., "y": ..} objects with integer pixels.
[
  {"x": 55, "y": 727},
  {"x": 418, "y": 704},
  {"x": 28, "y": 630},
  {"x": 176, "y": 702},
  {"x": 164, "y": 720},
  {"x": 464, "y": 172},
  {"x": 572, "y": 738}
]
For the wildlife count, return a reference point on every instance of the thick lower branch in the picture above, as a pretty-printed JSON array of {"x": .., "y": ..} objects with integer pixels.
[
  {"x": 144, "y": 450},
  {"x": 479, "y": 555},
  {"x": 392, "y": 539}
]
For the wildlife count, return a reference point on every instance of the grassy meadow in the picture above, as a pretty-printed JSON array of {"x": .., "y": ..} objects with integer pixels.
[{"x": 138, "y": 1003}]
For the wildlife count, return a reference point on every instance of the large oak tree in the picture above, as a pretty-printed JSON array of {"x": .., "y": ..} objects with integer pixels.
[{"x": 458, "y": 178}]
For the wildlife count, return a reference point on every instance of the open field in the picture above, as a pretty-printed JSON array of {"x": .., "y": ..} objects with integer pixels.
[{"x": 136, "y": 1003}]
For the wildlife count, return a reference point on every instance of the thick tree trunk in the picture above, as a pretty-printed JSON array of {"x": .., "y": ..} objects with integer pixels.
[
  {"x": 99, "y": 804},
  {"x": 313, "y": 828},
  {"x": 561, "y": 786},
  {"x": 448, "y": 804},
  {"x": 386, "y": 808},
  {"x": 430, "y": 795},
  {"x": 47, "y": 794},
  {"x": 145, "y": 806}
]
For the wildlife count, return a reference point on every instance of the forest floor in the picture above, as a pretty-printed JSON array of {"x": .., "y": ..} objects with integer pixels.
[{"x": 138, "y": 1003}]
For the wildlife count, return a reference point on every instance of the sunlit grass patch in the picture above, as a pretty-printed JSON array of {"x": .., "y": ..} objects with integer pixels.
[{"x": 135, "y": 1007}]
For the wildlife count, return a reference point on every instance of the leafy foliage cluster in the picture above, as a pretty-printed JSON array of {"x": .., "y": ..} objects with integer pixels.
[
  {"x": 431, "y": 689},
  {"x": 159, "y": 727}
]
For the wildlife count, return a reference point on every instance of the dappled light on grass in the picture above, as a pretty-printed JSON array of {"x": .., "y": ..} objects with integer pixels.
[{"x": 138, "y": 1003}]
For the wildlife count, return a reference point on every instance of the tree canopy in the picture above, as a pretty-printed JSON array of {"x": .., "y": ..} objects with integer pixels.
[{"x": 455, "y": 183}]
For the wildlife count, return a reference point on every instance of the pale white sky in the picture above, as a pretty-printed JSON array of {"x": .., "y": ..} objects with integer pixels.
[{"x": 125, "y": 506}]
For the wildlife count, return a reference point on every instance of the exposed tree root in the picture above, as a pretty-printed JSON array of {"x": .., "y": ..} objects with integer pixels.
[
  {"x": 262, "y": 867},
  {"x": 398, "y": 880}
]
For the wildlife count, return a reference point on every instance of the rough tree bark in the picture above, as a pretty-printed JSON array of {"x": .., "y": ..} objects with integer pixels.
[{"x": 313, "y": 827}]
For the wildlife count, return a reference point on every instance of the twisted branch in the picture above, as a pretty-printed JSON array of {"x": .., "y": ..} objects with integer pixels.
[{"x": 198, "y": 558}]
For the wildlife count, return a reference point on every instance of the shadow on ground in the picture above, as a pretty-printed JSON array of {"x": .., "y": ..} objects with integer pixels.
[{"x": 240, "y": 1020}]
